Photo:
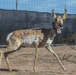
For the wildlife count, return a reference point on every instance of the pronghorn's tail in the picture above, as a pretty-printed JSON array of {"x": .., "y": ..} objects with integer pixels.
[{"x": 0, "y": 57}]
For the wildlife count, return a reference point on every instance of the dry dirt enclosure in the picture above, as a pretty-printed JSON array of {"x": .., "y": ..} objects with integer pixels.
[{"x": 22, "y": 61}]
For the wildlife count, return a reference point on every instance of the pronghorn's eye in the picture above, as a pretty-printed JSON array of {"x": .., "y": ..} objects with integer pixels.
[{"x": 55, "y": 19}]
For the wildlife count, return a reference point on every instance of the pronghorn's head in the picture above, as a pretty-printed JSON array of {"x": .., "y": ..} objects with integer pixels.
[{"x": 58, "y": 20}]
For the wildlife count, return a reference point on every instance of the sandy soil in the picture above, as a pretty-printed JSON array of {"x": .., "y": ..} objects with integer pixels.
[{"x": 22, "y": 61}]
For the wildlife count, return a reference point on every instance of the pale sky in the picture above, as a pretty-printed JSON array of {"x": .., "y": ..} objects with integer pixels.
[{"x": 40, "y": 5}]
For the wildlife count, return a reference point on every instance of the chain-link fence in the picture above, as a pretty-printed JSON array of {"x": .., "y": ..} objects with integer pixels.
[
  {"x": 11, "y": 20},
  {"x": 13, "y": 4}
]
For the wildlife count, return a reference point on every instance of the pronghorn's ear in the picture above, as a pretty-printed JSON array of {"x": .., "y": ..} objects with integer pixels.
[
  {"x": 53, "y": 14},
  {"x": 65, "y": 13}
]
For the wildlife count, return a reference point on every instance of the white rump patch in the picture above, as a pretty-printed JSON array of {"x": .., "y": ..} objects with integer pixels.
[
  {"x": 49, "y": 41},
  {"x": 8, "y": 36}
]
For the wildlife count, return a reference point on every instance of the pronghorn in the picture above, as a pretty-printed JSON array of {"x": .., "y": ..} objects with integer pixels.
[{"x": 36, "y": 38}]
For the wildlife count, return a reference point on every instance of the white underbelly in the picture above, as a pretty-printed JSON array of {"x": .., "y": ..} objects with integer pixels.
[{"x": 29, "y": 40}]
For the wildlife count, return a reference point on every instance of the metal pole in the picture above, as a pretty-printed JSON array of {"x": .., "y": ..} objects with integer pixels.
[
  {"x": 16, "y": 4},
  {"x": 65, "y": 8}
]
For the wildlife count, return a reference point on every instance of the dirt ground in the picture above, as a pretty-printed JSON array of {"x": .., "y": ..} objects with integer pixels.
[{"x": 22, "y": 61}]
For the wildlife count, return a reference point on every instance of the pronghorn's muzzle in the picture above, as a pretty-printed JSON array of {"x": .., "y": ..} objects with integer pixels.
[
  {"x": 61, "y": 26},
  {"x": 59, "y": 30}
]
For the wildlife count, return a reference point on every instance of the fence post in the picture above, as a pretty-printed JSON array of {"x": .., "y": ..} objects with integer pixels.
[{"x": 16, "y": 4}]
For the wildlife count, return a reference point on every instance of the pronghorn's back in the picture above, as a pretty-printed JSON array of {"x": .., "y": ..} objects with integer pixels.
[{"x": 29, "y": 36}]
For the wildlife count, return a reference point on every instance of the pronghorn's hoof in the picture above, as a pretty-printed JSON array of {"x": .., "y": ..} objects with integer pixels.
[
  {"x": 64, "y": 69},
  {"x": 34, "y": 70},
  {"x": 10, "y": 70}
]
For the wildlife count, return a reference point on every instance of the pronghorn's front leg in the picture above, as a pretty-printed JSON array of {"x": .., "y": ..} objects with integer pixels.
[
  {"x": 36, "y": 56},
  {"x": 0, "y": 57},
  {"x": 52, "y": 51}
]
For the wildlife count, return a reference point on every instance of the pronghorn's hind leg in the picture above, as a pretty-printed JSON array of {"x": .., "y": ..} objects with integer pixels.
[
  {"x": 52, "y": 51},
  {"x": 6, "y": 57},
  {"x": 14, "y": 45},
  {"x": 1, "y": 53}
]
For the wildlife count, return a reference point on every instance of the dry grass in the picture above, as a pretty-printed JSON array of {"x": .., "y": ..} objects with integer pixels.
[{"x": 22, "y": 62}]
